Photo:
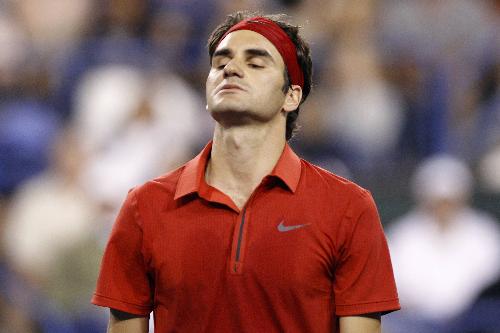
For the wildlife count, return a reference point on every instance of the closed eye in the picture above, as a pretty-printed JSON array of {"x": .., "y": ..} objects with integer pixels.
[{"x": 220, "y": 64}]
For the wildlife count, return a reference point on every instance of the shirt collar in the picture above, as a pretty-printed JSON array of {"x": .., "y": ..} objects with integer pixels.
[{"x": 288, "y": 169}]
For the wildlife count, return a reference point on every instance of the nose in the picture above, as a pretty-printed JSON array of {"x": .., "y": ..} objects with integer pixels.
[{"x": 232, "y": 68}]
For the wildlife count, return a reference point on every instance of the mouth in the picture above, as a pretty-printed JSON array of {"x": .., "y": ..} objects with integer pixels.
[{"x": 228, "y": 87}]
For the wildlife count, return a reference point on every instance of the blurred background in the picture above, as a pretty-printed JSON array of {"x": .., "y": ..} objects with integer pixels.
[{"x": 99, "y": 96}]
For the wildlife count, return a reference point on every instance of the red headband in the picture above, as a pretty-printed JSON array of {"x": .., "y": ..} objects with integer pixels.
[{"x": 278, "y": 37}]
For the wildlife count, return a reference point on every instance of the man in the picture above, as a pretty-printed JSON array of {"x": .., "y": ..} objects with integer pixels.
[
  {"x": 247, "y": 237},
  {"x": 445, "y": 250}
]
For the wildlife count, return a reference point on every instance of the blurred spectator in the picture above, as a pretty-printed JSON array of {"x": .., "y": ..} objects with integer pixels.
[
  {"x": 444, "y": 251},
  {"x": 49, "y": 219},
  {"x": 13, "y": 317},
  {"x": 49, "y": 213},
  {"x": 117, "y": 34},
  {"x": 51, "y": 32},
  {"x": 133, "y": 126},
  {"x": 363, "y": 112}
]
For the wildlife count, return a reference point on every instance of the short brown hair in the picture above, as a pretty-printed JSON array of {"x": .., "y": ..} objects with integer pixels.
[{"x": 303, "y": 56}]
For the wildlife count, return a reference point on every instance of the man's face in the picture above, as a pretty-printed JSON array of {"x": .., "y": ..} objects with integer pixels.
[{"x": 246, "y": 79}]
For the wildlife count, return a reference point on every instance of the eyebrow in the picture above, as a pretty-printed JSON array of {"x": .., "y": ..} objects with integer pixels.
[
  {"x": 222, "y": 53},
  {"x": 259, "y": 53},
  {"x": 225, "y": 52}
]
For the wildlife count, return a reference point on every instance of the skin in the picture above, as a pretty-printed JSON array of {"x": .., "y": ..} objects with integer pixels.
[
  {"x": 245, "y": 96},
  {"x": 369, "y": 323},
  {"x": 122, "y": 322}
]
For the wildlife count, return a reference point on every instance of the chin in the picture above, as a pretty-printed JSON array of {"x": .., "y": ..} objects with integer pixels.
[
  {"x": 228, "y": 105},
  {"x": 230, "y": 115},
  {"x": 237, "y": 117}
]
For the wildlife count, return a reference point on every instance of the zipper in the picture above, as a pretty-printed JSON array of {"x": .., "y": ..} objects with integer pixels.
[
  {"x": 240, "y": 236},
  {"x": 236, "y": 264}
]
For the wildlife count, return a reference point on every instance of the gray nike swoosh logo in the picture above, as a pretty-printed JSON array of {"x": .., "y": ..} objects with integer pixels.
[{"x": 283, "y": 228}]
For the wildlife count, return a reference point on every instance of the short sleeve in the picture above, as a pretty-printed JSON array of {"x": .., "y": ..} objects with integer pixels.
[
  {"x": 123, "y": 282},
  {"x": 364, "y": 279}
]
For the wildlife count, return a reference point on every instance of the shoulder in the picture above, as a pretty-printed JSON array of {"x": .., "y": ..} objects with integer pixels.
[
  {"x": 158, "y": 190},
  {"x": 480, "y": 225},
  {"x": 336, "y": 187},
  {"x": 344, "y": 202}
]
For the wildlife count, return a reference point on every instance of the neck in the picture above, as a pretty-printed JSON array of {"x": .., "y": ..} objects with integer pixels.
[{"x": 241, "y": 158}]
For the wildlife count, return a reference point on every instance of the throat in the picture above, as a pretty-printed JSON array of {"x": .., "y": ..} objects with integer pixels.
[
  {"x": 238, "y": 188},
  {"x": 239, "y": 160},
  {"x": 239, "y": 198}
]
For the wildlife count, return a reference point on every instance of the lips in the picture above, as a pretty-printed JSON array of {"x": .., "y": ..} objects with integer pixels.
[{"x": 230, "y": 86}]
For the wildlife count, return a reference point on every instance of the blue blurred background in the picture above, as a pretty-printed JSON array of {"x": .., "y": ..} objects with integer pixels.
[{"x": 99, "y": 96}]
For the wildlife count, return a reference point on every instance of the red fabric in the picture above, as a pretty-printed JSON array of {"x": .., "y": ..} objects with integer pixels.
[
  {"x": 181, "y": 249},
  {"x": 279, "y": 39}
]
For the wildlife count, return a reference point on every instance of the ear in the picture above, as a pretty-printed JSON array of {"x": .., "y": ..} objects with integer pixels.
[{"x": 292, "y": 98}]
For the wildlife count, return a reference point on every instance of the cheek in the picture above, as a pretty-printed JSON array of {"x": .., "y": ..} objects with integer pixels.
[
  {"x": 213, "y": 77},
  {"x": 276, "y": 83},
  {"x": 274, "y": 87},
  {"x": 211, "y": 82}
]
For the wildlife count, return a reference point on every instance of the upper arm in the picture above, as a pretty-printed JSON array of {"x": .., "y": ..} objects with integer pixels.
[
  {"x": 369, "y": 323},
  {"x": 123, "y": 322},
  {"x": 364, "y": 281},
  {"x": 124, "y": 281}
]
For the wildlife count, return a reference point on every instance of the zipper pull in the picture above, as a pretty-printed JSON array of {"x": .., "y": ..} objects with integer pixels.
[{"x": 236, "y": 268}]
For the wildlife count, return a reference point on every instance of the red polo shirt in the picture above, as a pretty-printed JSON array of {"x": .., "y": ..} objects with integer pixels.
[{"x": 307, "y": 247}]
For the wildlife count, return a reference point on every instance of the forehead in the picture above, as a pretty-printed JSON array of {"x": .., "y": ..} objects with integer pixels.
[{"x": 241, "y": 40}]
